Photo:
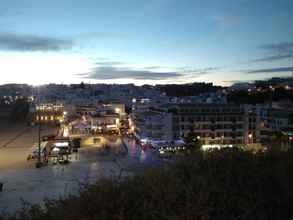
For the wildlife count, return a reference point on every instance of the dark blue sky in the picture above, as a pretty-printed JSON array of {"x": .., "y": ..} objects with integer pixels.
[{"x": 145, "y": 41}]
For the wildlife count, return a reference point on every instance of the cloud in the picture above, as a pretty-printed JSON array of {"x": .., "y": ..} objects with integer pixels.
[
  {"x": 156, "y": 67},
  {"x": 283, "y": 46},
  {"x": 199, "y": 71},
  {"x": 20, "y": 42},
  {"x": 274, "y": 58},
  {"x": 109, "y": 63},
  {"x": 278, "y": 51},
  {"x": 110, "y": 72},
  {"x": 107, "y": 72},
  {"x": 271, "y": 70}
]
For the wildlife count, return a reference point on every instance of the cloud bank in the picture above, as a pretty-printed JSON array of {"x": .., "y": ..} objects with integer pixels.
[
  {"x": 21, "y": 42},
  {"x": 278, "y": 51},
  {"x": 106, "y": 70},
  {"x": 271, "y": 70},
  {"x": 110, "y": 72}
]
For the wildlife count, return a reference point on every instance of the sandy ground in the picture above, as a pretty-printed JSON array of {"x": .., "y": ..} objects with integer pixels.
[{"x": 16, "y": 140}]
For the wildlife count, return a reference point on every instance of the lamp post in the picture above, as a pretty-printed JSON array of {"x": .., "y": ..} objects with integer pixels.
[
  {"x": 39, "y": 162},
  {"x": 250, "y": 138}
]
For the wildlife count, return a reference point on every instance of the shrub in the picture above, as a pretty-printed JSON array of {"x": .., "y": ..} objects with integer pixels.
[{"x": 222, "y": 184}]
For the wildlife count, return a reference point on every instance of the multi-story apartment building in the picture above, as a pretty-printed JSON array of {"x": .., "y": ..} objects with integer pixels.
[
  {"x": 281, "y": 119},
  {"x": 258, "y": 123},
  {"x": 219, "y": 124},
  {"x": 141, "y": 105},
  {"x": 211, "y": 123},
  {"x": 262, "y": 121},
  {"x": 152, "y": 126}
]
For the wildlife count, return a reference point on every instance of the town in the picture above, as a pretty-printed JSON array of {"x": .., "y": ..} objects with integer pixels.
[
  {"x": 253, "y": 116},
  {"x": 146, "y": 109}
]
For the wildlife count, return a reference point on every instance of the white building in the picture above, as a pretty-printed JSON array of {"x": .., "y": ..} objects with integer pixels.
[
  {"x": 211, "y": 123},
  {"x": 152, "y": 126}
]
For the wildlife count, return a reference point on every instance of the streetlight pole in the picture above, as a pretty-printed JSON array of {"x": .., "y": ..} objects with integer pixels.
[
  {"x": 39, "y": 163},
  {"x": 250, "y": 141},
  {"x": 39, "y": 145}
]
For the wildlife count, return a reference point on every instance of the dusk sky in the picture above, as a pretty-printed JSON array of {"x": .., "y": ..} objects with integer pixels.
[{"x": 144, "y": 41}]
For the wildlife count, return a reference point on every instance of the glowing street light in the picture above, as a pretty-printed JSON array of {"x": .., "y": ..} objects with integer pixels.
[
  {"x": 250, "y": 138},
  {"x": 132, "y": 128}
]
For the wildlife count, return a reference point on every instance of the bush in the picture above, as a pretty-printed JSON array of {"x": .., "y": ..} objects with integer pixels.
[{"x": 222, "y": 184}]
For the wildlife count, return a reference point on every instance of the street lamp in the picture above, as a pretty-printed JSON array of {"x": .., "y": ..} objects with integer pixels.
[
  {"x": 39, "y": 163},
  {"x": 250, "y": 137}
]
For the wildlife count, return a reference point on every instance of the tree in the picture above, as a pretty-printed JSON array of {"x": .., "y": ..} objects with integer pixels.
[
  {"x": 193, "y": 141},
  {"x": 222, "y": 184},
  {"x": 279, "y": 141},
  {"x": 82, "y": 85}
]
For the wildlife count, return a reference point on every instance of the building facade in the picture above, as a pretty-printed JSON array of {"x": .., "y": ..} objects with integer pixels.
[
  {"x": 152, "y": 126},
  {"x": 211, "y": 123},
  {"x": 48, "y": 113}
]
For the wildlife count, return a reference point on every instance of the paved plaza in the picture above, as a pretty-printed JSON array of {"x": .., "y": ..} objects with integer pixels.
[{"x": 22, "y": 181}]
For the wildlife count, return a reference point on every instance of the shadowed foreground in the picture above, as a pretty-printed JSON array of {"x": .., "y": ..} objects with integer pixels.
[{"x": 225, "y": 184}]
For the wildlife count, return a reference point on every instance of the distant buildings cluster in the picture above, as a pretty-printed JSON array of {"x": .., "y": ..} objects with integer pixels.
[
  {"x": 264, "y": 85},
  {"x": 157, "y": 114},
  {"x": 211, "y": 123}
]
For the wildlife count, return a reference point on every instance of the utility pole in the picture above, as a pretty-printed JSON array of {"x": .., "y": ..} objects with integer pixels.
[
  {"x": 39, "y": 144},
  {"x": 39, "y": 163}
]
